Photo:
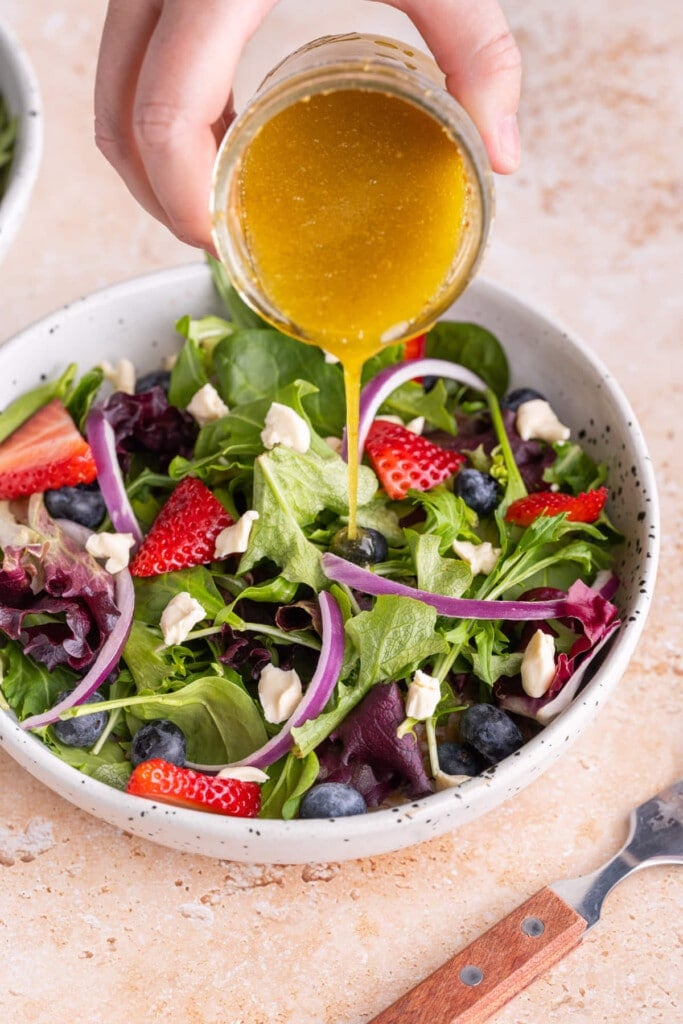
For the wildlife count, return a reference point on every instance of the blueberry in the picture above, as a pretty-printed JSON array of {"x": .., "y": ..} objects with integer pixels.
[
  {"x": 84, "y": 730},
  {"x": 159, "y": 738},
  {"x": 332, "y": 800},
  {"x": 155, "y": 379},
  {"x": 515, "y": 398},
  {"x": 82, "y": 504},
  {"x": 460, "y": 759},
  {"x": 478, "y": 490},
  {"x": 368, "y": 546},
  {"x": 490, "y": 731}
]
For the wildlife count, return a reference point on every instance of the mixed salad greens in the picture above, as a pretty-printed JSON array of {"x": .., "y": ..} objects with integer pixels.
[
  {"x": 252, "y": 653},
  {"x": 8, "y": 136}
]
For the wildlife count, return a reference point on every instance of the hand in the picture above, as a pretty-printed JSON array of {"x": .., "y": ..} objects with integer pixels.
[{"x": 163, "y": 92}]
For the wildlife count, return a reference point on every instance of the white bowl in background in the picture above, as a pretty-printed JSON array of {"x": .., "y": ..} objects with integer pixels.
[
  {"x": 135, "y": 320},
  {"x": 19, "y": 87}
]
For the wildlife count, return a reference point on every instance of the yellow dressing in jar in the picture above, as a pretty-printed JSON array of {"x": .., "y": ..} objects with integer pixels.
[{"x": 347, "y": 205}]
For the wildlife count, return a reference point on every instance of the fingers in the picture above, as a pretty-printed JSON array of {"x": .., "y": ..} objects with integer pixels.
[
  {"x": 163, "y": 99},
  {"x": 127, "y": 30},
  {"x": 474, "y": 48}
]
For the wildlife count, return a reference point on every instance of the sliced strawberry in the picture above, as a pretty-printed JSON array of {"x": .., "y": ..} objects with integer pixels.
[
  {"x": 403, "y": 459},
  {"x": 414, "y": 348},
  {"x": 45, "y": 452},
  {"x": 579, "y": 508},
  {"x": 184, "y": 532},
  {"x": 160, "y": 780}
]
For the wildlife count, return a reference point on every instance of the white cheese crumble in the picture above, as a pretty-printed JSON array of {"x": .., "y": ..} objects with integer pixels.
[
  {"x": 424, "y": 693},
  {"x": 179, "y": 617},
  {"x": 536, "y": 420},
  {"x": 538, "y": 664},
  {"x": 207, "y": 406},
  {"x": 12, "y": 533},
  {"x": 243, "y": 772},
  {"x": 330, "y": 358},
  {"x": 442, "y": 780},
  {"x": 279, "y": 692},
  {"x": 114, "y": 547},
  {"x": 121, "y": 377},
  {"x": 481, "y": 558},
  {"x": 234, "y": 539},
  {"x": 284, "y": 426},
  {"x": 415, "y": 426}
]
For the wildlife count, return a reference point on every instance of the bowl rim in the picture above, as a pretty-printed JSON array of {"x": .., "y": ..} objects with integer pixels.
[
  {"x": 29, "y": 146},
  {"x": 510, "y": 775}
]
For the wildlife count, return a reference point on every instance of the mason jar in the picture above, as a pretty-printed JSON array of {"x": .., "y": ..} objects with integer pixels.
[{"x": 365, "y": 69}]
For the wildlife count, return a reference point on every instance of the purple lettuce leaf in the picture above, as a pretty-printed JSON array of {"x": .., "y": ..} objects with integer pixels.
[
  {"x": 52, "y": 575},
  {"x": 147, "y": 422},
  {"x": 365, "y": 751}
]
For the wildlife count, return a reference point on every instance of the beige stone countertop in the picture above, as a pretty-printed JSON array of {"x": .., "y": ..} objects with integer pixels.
[{"x": 98, "y": 926}]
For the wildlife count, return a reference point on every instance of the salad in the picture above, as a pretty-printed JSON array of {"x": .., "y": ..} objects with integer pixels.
[
  {"x": 8, "y": 135},
  {"x": 185, "y": 614}
]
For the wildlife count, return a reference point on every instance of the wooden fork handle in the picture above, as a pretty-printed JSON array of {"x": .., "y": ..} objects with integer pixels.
[{"x": 491, "y": 970}]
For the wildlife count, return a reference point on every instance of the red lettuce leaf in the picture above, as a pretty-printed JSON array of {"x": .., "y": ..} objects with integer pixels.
[
  {"x": 52, "y": 575},
  {"x": 365, "y": 751},
  {"x": 147, "y": 422}
]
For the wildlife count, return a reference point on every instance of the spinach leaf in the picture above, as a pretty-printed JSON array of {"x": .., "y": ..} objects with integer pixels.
[
  {"x": 289, "y": 778},
  {"x": 471, "y": 346},
  {"x": 28, "y": 687},
  {"x": 241, "y": 314},
  {"x": 153, "y": 593}
]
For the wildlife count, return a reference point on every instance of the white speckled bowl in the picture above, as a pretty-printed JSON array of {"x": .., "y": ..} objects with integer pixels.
[
  {"x": 19, "y": 87},
  {"x": 135, "y": 320}
]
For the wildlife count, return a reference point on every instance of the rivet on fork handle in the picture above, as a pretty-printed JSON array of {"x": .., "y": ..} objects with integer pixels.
[{"x": 496, "y": 966}]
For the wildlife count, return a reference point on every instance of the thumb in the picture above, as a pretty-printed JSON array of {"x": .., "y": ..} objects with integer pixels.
[{"x": 473, "y": 46}]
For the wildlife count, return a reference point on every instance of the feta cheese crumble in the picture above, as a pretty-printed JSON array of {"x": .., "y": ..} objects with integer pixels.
[
  {"x": 179, "y": 617},
  {"x": 424, "y": 694},
  {"x": 114, "y": 547},
  {"x": 536, "y": 420},
  {"x": 481, "y": 558},
  {"x": 121, "y": 377},
  {"x": 243, "y": 772},
  {"x": 284, "y": 426},
  {"x": 234, "y": 540},
  {"x": 207, "y": 406},
  {"x": 279, "y": 692},
  {"x": 538, "y": 664}
]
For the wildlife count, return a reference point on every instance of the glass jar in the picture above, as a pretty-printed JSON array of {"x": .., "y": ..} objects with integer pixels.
[{"x": 321, "y": 68}]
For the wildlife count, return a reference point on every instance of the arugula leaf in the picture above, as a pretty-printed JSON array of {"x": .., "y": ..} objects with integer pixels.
[
  {"x": 447, "y": 516},
  {"x": 411, "y": 400},
  {"x": 574, "y": 468},
  {"x": 471, "y": 346}
]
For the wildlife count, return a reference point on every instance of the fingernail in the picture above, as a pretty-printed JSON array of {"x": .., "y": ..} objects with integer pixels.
[{"x": 508, "y": 140}]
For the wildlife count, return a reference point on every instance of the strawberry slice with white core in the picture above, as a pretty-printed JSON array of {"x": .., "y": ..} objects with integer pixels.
[
  {"x": 184, "y": 532},
  {"x": 160, "y": 780},
  {"x": 403, "y": 460},
  {"x": 44, "y": 453}
]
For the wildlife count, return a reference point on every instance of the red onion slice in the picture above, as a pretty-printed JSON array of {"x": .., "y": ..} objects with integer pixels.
[
  {"x": 102, "y": 440},
  {"x": 382, "y": 384},
  {"x": 342, "y": 571},
  {"x": 106, "y": 660},
  {"x": 317, "y": 694}
]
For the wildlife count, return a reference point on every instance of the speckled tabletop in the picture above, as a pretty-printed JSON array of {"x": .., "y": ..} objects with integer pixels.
[{"x": 96, "y": 925}]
